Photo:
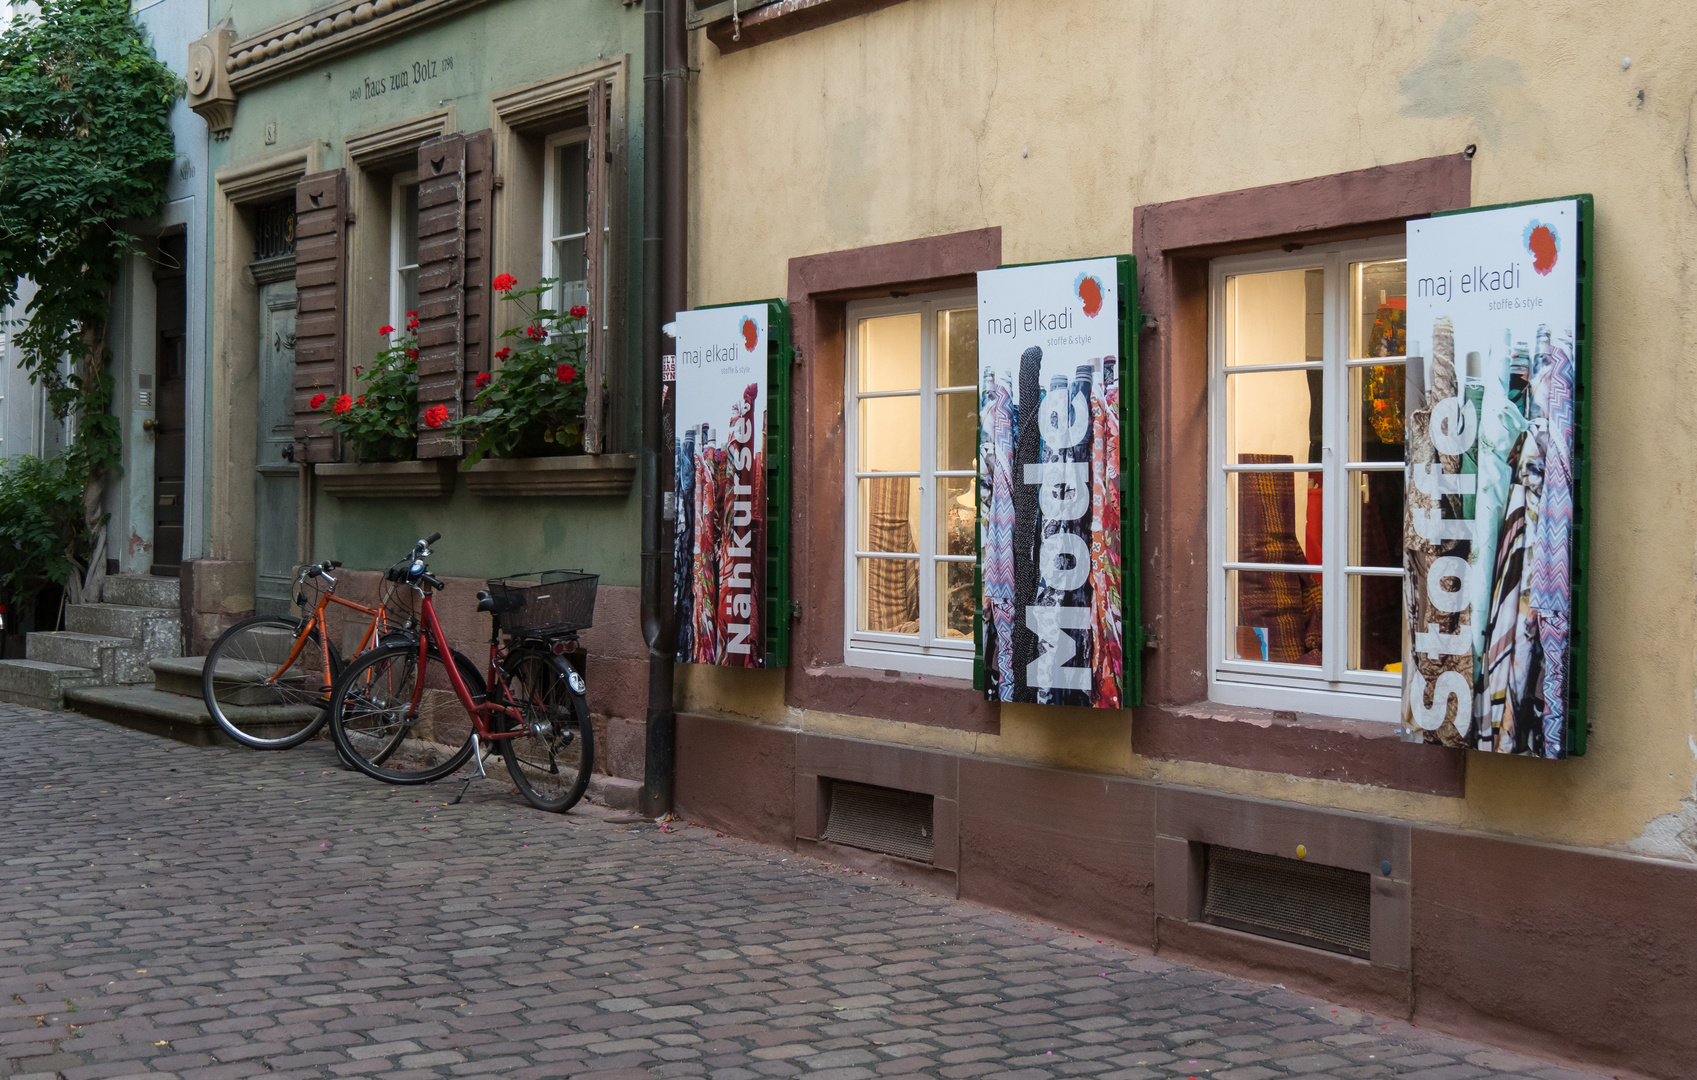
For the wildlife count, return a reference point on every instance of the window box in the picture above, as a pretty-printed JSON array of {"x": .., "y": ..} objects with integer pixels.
[
  {"x": 387, "y": 479},
  {"x": 581, "y": 474}
]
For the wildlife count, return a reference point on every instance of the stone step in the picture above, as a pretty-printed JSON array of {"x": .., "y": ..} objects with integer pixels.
[
  {"x": 178, "y": 675},
  {"x": 172, "y": 715},
  {"x": 41, "y": 685},
  {"x": 142, "y": 590},
  {"x": 117, "y": 659},
  {"x": 156, "y": 632}
]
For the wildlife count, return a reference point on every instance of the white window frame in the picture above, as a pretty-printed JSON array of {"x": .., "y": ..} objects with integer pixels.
[
  {"x": 550, "y": 201},
  {"x": 924, "y": 653},
  {"x": 397, "y": 248},
  {"x": 1330, "y": 689}
]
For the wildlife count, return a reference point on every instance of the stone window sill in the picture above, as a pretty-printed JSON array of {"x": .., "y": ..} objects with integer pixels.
[
  {"x": 930, "y": 700},
  {"x": 586, "y": 474},
  {"x": 386, "y": 479},
  {"x": 1297, "y": 744}
]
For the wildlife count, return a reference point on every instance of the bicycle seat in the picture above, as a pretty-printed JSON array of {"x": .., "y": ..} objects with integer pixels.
[{"x": 499, "y": 605}]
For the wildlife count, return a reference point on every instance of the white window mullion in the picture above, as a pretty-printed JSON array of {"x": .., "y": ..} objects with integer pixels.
[
  {"x": 1335, "y": 501},
  {"x": 927, "y": 472}
]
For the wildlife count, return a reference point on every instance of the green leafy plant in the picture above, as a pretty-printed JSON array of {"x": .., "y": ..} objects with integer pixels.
[
  {"x": 85, "y": 148},
  {"x": 533, "y": 405},
  {"x": 40, "y": 525},
  {"x": 379, "y": 422}
]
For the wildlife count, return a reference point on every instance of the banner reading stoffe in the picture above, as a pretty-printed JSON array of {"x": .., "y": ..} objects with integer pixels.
[
  {"x": 1049, "y": 485},
  {"x": 719, "y": 546},
  {"x": 1493, "y": 385}
]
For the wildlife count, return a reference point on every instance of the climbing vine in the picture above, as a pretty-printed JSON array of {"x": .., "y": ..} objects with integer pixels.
[{"x": 85, "y": 149}]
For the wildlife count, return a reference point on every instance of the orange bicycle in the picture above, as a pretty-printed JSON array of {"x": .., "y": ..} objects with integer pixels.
[{"x": 267, "y": 680}]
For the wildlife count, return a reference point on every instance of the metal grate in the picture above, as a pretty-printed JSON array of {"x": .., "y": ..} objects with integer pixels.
[
  {"x": 548, "y": 602},
  {"x": 1322, "y": 906},
  {"x": 274, "y": 229},
  {"x": 881, "y": 819}
]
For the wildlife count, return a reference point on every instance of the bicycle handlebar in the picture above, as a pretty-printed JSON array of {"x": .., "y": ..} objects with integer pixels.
[{"x": 431, "y": 539}]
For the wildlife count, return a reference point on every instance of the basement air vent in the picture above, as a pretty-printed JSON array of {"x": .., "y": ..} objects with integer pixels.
[
  {"x": 881, "y": 819},
  {"x": 1321, "y": 906}
]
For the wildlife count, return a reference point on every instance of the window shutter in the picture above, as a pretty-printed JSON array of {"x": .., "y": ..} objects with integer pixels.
[
  {"x": 441, "y": 286},
  {"x": 479, "y": 252},
  {"x": 321, "y": 259},
  {"x": 595, "y": 244}
]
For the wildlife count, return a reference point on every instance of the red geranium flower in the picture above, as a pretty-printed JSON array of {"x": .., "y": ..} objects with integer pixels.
[
  {"x": 385, "y": 329},
  {"x": 579, "y": 311},
  {"x": 435, "y": 416},
  {"x": 317, "y": 401},
  {"x": 412, "y": 314},
  {"x": 502, "y": 354},
  {"x": 565, "y": 373},
  {"x": 483, "y": 380},
  {"x": 412, "y": 354},
  {"x": 412, "y": 325},
  {"x": 534, "y": 332},
  {"x": 361, "y": 400},
  {"x": 505, "y": 282},
  {"x": 358, "y": 370},
  {"x": 342, "y": 405}
]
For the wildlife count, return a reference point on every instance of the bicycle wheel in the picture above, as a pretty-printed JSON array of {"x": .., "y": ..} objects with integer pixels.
[
  {"x": 261, "y": 695},
  {"x": 550, "y": 762},
  {"x": 378, "y": 729}
]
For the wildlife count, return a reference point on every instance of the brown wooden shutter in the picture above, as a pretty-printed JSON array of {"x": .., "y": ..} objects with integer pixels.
[
  {"x": 321, "y": 259},
  {"x": 479, "y": 251},
  {"x": 441, "y": 286},
  {"x": 594, "y": 243}
]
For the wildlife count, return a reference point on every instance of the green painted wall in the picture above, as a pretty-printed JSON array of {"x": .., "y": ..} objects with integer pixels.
[{"x": 494, "y": 48}]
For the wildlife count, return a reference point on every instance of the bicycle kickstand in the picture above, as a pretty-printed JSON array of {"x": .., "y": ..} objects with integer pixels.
[{"x": 477, "y": 756}]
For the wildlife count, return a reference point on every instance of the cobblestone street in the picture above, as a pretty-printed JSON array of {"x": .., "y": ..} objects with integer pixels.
[{"x": 171, "y": 910}]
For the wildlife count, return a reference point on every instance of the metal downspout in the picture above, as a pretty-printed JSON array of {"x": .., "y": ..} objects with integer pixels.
[{"x": 663, "y": 244}]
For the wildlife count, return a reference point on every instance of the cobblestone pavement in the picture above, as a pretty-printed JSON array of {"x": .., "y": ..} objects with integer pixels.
[{"x": 205, "y": 912}]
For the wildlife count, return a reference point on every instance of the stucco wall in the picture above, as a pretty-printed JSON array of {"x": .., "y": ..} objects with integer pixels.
[{"x": 1055, "y": 119}]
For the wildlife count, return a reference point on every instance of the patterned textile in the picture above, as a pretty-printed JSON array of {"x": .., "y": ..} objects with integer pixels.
[
  {"x": 1505, "y": 623},
  {"x": 704, "y": 583},
  {"x": 892, "y": 585},
  {"x": 1552, "y": 542},
  {"x": 996, "y": 408},
  {"x": 1106, "y": 617},
  {"x": 1281, "y": 602},
  {"x": 741, "y": 535},
  {"x": 683, "y": 546},
  {"x": 1028, "y": 518}
]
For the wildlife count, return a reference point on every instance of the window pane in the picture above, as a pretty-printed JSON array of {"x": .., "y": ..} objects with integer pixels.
[
  {"x": 954, "y": 600},
  {"x": 1376, "y": 421},
  {"x": 957, "y": 516},
  {"x": 571, "y": 266},
  {"x": 1378, "y": 308},
  {"x": 409, "y": 291},
  {"x": 957, "y": 347},
  {"x": 1275, "y": 318},
  {"x": 889, "y": 434},
  {"x": 571, "y": 206},
  {"x": 1274, "y": 517},
  {"x": 1274, "y": 417},
  {"x": 1375, "y": 622},
  {"x": 889, "y": 514},
  {"x": 1375, "y": 519},
  {"x": 1274, "y": 617},
  {"x": 409, "y": 229},
  {"x": 889, "y": 353},
  {"x": 957, "y": 431},
  {"x": 888, "y": 596}
]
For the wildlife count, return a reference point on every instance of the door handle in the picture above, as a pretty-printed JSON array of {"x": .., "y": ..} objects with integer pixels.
[{"x": 152, "y": 427}]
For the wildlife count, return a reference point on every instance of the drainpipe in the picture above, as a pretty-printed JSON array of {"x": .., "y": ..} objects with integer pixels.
[{"x": 664, "y": 150}]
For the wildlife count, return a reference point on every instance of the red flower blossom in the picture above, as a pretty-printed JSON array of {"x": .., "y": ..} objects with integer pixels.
[
  {"x": 412, "y": 354},
  {"x": 565, "y": 373},
  {"x": 358, "y": 370},
  {"x": 534, "y": 332},
  {"x": 483, "y": 380},
  {"x": 502, "y": 354},
  {"x": 317, "y": 401},
  {"x": 412, "y": 325},
  {"x": 505, "y": 282},
  {"x": 361, "y": 400},
  {"x": 579, "y": 311},
  {"x": 435, "y": 416},
  {"x": 342, "y": 405},
  {"x": 385, "y": 329},
  {"x": 412, "y": 314}
]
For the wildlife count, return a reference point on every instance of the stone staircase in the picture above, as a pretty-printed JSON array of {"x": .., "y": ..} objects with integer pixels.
[{"x": 109, "y": 644}]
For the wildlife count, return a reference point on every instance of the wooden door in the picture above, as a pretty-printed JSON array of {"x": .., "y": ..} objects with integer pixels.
[{"x": 171, "y": 380}]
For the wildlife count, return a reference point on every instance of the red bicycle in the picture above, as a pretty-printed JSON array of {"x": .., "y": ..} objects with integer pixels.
[{"x": 415, "y": 711}]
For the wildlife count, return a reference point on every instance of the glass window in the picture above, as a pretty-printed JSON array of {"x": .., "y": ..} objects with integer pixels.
[
  {"x": 913, "y": 459},
  {"x": 403, "y": 250},
  {"x": 1307, "y": 477},
  {"x": 565, "y": 251}
]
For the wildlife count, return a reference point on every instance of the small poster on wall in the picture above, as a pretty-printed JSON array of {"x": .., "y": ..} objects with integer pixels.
[
  {"x": 1495, "y": 385},
  {"x": 719, "y": 487},
  {"x": 1050, "y": 545}
]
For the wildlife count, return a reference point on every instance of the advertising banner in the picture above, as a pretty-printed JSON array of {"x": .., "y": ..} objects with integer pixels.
[
  {"x": 720, "y": 499},
  {"x": 1051, "y": 549},
  {"x": 1494, "y": 397}
]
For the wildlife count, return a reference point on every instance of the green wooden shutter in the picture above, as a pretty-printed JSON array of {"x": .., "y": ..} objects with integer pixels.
[{"x": 780, "y": 356}]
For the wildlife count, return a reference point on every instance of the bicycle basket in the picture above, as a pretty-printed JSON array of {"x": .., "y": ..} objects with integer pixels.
[{"x": 549, "y": 602}]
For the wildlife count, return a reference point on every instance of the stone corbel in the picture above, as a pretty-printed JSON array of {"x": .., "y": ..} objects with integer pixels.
[{"x": 209, "y": 91}]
